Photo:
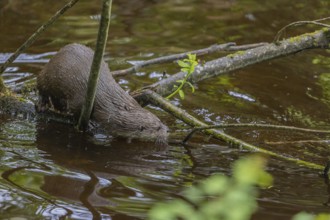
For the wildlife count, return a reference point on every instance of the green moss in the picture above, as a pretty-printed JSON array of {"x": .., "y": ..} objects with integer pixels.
[
  {"x": 238, "y": 53},
  {"x": 2, "y": 85},
  {"x": 28, "y": 88},
  {"x": 312, "y": 34}
]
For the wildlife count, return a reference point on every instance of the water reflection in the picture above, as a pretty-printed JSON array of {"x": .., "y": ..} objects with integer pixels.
[{"x": 50, "y": 171}]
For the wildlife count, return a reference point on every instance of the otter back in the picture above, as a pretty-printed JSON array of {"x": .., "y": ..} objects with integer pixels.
[{"x": 62, "y": 84}]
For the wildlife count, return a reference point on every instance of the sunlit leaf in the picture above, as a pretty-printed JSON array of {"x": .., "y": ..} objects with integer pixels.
[
  {"x": 303, "y": 216},
  {"x": 172, "y": 210},
  {"x": 251, "y": 171},
  {"x": 183, "y": 64}
]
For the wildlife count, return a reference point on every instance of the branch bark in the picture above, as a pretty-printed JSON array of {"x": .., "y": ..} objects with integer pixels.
[
  {"x": 201, "y": 52},
  {"x": 159, "y": 101},
  {"x": 95, "y": 69},
  {"x": 239, "y": 60}
]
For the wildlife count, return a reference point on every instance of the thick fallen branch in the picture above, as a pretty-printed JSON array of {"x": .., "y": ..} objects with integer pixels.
[{"x": 241, "y": 59}]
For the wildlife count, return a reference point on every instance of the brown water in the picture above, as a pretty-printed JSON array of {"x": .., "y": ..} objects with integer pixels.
[{"x": 51, "y": 172}]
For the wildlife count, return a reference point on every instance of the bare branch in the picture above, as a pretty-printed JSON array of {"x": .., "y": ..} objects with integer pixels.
[{"x": 96, "y": 64}]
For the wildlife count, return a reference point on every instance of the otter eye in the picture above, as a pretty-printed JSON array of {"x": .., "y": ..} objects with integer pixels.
[{"x": 142, "y": 128}]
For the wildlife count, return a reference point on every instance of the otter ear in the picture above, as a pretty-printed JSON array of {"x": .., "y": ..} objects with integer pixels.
[{"x": 142, "y": 128}]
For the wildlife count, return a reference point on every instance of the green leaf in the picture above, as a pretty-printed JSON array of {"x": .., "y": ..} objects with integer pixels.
[
  {"x": 303, "y": 216},
  {"x": 180, "y": 81},
  {"x": 183, "y": 64},
  {"x": 191, "y": 56},
  {"x": 181, "y": 93},
  {"x": 250, "y": 170},
  {"x": 173, "y": 210}
]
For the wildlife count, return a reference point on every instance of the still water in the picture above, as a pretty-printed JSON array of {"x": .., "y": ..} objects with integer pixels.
[{"x": 48, "y": 171}]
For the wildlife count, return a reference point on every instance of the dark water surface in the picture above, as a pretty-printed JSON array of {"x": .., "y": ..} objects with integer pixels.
[{"x": 50, "y": 172}]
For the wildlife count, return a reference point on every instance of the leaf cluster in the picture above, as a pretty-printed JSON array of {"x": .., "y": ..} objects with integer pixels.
[
  {"x": 187, "y": 66},
  {"x": 219, "y": 196}
]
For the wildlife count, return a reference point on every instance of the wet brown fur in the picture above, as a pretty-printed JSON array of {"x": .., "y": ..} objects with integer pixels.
[{"x": 63, "y": 84}]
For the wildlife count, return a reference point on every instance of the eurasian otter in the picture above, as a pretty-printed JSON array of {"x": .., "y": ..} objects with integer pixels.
[{"x": 62, "y": 84}]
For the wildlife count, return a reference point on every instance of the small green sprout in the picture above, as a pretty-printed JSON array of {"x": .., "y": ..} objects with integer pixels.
[{"x": 188, "y": 66}]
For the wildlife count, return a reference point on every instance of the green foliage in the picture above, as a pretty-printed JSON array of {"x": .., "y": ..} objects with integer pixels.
[
  {"x": 306, "y": 216},
  {"x": 219, "y": 196},
  {"x": 187, "y": 66}
]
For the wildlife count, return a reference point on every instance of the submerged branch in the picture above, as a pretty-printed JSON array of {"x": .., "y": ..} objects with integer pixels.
[
  {"x": 259, "y": 126},
  {"x": 297, "y": 142},
  {"x": 241, "y": 59},
  {"x": 157, "y": 100},
  {"x": 166, "y": 59}
]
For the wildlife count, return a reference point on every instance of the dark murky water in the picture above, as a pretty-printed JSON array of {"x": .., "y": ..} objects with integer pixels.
[{"x": 50, "y": 172}]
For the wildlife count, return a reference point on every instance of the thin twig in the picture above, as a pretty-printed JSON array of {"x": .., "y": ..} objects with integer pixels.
[
  {"x": 166, "y": 59},
  {"x": 34, "y": 36},
  {"x": 297, "y": 142},
  {"x": 280, "y": 127},
  {"x": 297, "y": 23},
  {"x": 245, "y": 47},
  {"x": 159, "y": 101},
  {"x": 96, "y": 64}
]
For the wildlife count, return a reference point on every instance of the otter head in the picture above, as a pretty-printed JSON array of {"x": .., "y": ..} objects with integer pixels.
[{"x": 138, "y": 124}]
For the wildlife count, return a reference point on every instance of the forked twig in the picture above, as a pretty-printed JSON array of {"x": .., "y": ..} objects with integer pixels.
[{"x": 297, "y": 23}]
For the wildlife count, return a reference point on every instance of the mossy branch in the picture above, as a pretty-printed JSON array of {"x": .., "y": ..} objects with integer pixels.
[
  {"x": 158, "y": 100},
  {"x": 236, "y": 61},
  {"x": 297, "y": 23},
  {"x": 95, "y": 69}
]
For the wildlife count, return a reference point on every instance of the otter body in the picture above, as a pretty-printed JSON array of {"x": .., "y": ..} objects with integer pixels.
[{"x": 62, "y": 84}]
